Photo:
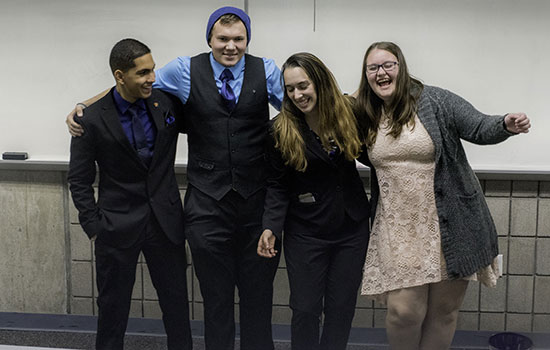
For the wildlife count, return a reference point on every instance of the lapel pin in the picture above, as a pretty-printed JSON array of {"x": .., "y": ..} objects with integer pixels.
[{"x": 156, "y": 104}]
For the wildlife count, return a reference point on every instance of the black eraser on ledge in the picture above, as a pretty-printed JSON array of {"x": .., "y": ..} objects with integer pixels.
[{"x": 15, "y": 155}]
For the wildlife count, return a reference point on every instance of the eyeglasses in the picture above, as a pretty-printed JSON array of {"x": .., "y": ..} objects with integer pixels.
[{"x": 387, "y": 66}]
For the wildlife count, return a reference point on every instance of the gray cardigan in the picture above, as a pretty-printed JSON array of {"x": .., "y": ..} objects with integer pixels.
[{"x": 468, "y": 234}]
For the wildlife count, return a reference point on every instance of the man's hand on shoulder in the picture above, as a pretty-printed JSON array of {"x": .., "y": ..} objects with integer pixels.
[{"x": 75, "y": 129}]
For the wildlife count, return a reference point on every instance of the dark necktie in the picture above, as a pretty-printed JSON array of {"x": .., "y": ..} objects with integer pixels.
[
  {"x": 140, "y": 140},
  {"x": 227, "y": 92}
]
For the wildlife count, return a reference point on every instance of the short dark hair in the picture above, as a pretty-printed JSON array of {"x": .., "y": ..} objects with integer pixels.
[{"x": 125, "y": 52}]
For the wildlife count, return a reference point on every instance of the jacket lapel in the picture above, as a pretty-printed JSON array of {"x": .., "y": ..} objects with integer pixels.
[
  {"x": 312, "y": 144},
  {"x": 157, "y": 113},
  {"x": 112, "y": 121}
]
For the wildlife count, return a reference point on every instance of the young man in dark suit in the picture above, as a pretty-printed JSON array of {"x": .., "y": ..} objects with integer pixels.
[
  {"x": 131, "y": 134},
  {"x": 227, "y": 95}
]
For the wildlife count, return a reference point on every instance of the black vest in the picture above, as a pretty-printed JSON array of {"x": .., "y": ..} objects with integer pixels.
[{"x": 226, "y": 149}]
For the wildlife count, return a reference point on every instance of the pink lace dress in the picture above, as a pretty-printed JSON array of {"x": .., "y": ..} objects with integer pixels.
[{"x": 405, "y": 243}]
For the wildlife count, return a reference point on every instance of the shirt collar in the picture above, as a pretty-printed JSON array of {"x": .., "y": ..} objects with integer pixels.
[
  {"x": 218, "y": 68},
  {"x": 123, "y": 105}
]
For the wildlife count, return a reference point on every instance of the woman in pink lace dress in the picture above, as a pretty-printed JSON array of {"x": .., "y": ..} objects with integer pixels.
[{"x": 432, "y": 231}]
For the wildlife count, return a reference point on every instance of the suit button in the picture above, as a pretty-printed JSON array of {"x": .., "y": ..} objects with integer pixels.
[
  {"x": 232, "y": 151},
  {"x": 232, "y": 135},
  {"x": 338, "y": 188}
]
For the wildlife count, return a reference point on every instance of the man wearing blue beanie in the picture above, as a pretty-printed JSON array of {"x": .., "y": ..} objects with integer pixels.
[{"x": 226, "y": 95}]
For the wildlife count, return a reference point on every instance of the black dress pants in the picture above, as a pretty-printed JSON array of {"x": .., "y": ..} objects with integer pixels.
[
  {"x": 116, "y": 272},
  {"x": 324, "y": 274},
  {"x": 223, "y": 236}
]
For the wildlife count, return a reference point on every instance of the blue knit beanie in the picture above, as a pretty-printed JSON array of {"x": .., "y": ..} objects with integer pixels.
[{"x": 223, "y": 11}]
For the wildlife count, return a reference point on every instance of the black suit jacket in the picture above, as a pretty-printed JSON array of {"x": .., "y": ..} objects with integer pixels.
[
  {"x": 129, "y": 192},
  {"x": 334, "y": 184}
]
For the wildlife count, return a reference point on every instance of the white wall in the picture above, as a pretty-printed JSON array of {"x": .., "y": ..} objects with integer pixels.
[{"x": 494, "y": 53}]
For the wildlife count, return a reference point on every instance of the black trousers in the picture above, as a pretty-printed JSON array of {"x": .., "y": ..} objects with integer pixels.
[
  {"x": 324, "y": 274},
  {"x": 223, "y": 236},
  {"x": 116, "y": 272}
]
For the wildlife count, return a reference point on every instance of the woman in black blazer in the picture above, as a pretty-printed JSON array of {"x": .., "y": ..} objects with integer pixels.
[{"x": 316, "y": 196}]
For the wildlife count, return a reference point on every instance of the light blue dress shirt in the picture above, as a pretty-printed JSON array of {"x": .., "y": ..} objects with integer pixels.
[{"x": 175, "y": 78}]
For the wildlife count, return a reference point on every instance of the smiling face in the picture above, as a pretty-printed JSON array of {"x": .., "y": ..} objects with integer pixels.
[
  {"x": 300, "y": 90},
  {"x": 138, "y": 81},
  {"x": 382, "y": 82},
  {"x": 228, "y": 42}
]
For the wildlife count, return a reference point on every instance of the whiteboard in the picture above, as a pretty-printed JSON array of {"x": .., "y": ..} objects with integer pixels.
[
  {"x": 494, "y": 53},
  {"x": 56, "y": 53}
]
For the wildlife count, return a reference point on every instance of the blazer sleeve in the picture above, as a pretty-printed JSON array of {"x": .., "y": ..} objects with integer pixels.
[
  {"x": 364, "y": 157},
  {"x": 81, "y": 176},
  {"x": 277, "y": 198},
  {"x": 178, "y": 110},
  {"x": 472, "y": 125}
]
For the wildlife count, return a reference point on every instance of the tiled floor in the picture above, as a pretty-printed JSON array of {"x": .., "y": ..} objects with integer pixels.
[{"x": 38, "y": 332}]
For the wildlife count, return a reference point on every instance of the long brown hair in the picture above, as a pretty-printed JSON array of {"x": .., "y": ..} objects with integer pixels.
[
  {"x": 402, "y": 107},
  {"x": 336, "y": 120}
]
